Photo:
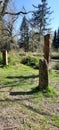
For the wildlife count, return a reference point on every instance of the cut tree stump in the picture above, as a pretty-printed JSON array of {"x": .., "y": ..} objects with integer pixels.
[{"x": 43, "y": 74}]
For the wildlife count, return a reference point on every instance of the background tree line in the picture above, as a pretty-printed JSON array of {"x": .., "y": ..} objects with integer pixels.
[
  {"x": 30, "y": 30},
  {"x": 56, "y": 39}
]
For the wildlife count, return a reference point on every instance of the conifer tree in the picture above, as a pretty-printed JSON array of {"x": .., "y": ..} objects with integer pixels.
[
  {"x": 56, "y": 39},
  {"x": 40, "y": 17},
  {"x": 24, "y": 30}
]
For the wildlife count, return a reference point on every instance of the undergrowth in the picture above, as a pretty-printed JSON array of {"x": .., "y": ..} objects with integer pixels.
[{"x": 31, "y": 61}]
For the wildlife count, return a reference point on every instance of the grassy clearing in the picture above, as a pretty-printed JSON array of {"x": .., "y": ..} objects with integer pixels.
[{"x": 22, "y": 106}]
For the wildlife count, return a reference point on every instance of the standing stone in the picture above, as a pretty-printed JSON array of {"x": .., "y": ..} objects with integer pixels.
[
  {"x": 43, "y": 74},
  {"x": 5, "y": 57},
  {"x": 47, "y": 47}
]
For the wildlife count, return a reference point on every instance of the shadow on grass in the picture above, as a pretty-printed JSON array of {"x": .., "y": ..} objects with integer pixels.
[
  {"x": 24, "y": 77},
  {"x": 15, "y": 81},
  {"x": 15, "y": 99},
  {"x": 29, "y": 107},
  {"x": 31, "y": 92},
  {"x": 2, "y": 66},
  {"x": 29, "y": 99},
  {"x": 10, "y": 84}
]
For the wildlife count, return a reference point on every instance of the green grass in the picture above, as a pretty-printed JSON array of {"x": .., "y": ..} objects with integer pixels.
[
  {"x": 29, "y": 108},
  {"x": 55, "y": 120},
  {"x": 54, "y": 75},
  {"x": 19, "y": 70}
]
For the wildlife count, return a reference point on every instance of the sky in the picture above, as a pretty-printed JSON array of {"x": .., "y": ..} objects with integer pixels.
[{"x": 54, "y": 4}]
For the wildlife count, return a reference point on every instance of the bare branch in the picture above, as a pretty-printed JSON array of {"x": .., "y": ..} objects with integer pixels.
[
  {"x": 18, "y": 13},
  {"x": 34, "y": 6}
]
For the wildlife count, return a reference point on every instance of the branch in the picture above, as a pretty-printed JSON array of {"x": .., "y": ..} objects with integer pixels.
[
  {"x": 34, "y": 6},
  {"x": 18, "y": 13}
]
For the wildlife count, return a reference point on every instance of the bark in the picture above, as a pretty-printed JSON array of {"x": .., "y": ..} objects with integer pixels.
[
  {"x": 47, "y": 47},
  {"x": 5, "y": 58},
  {"x": 43, "y": 74}
]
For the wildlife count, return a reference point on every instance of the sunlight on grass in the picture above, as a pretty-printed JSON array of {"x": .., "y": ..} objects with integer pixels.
[{"x": 19, "y": 93}]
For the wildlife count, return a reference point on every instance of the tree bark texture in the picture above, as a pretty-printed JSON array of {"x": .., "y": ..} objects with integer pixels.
[{"x": 43, "y": 74}]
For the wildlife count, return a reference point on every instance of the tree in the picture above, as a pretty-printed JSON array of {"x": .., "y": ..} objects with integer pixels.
[
  {"x": 6, "y": 30},
  {"x": 58, "y": 38},
  {"x": 40, "y": 17},
  {"x": 54, "y": 39},
  {"x": 3, "y": 32},
  {"x": 55, "y": 42},
  {"x": 24, "y": 34},
  {"x": 3, "y": 6},
  {"x": 10, "y": 31}
]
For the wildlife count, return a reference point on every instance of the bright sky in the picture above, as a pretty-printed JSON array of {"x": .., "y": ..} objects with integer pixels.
[{"x": 54, "y": 4}]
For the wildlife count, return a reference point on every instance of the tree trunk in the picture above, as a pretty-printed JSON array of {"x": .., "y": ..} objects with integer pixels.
[
  {"x": 47, "y": 47},
  {"x": 43, "y": 74},
  {"x": 5, "y": 58}
]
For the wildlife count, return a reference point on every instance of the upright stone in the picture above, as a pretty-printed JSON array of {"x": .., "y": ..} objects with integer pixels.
[
  {"x": 43, "y": 74},
  {"x": 5, "y": 57},
  {"x": 47, "y": 47}
]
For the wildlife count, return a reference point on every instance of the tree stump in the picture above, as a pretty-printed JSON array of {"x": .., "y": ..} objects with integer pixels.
[
  {"x": 5, "y": 58},
  {"x": 43, "y": 74}
]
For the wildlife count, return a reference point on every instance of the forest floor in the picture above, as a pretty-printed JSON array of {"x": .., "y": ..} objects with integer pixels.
[{"x": 22, "y": 107}]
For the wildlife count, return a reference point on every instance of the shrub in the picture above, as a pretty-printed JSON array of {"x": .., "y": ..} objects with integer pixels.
[
  {"x": 56, "y": 67},
  {"x": 31, "y": 61}
]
